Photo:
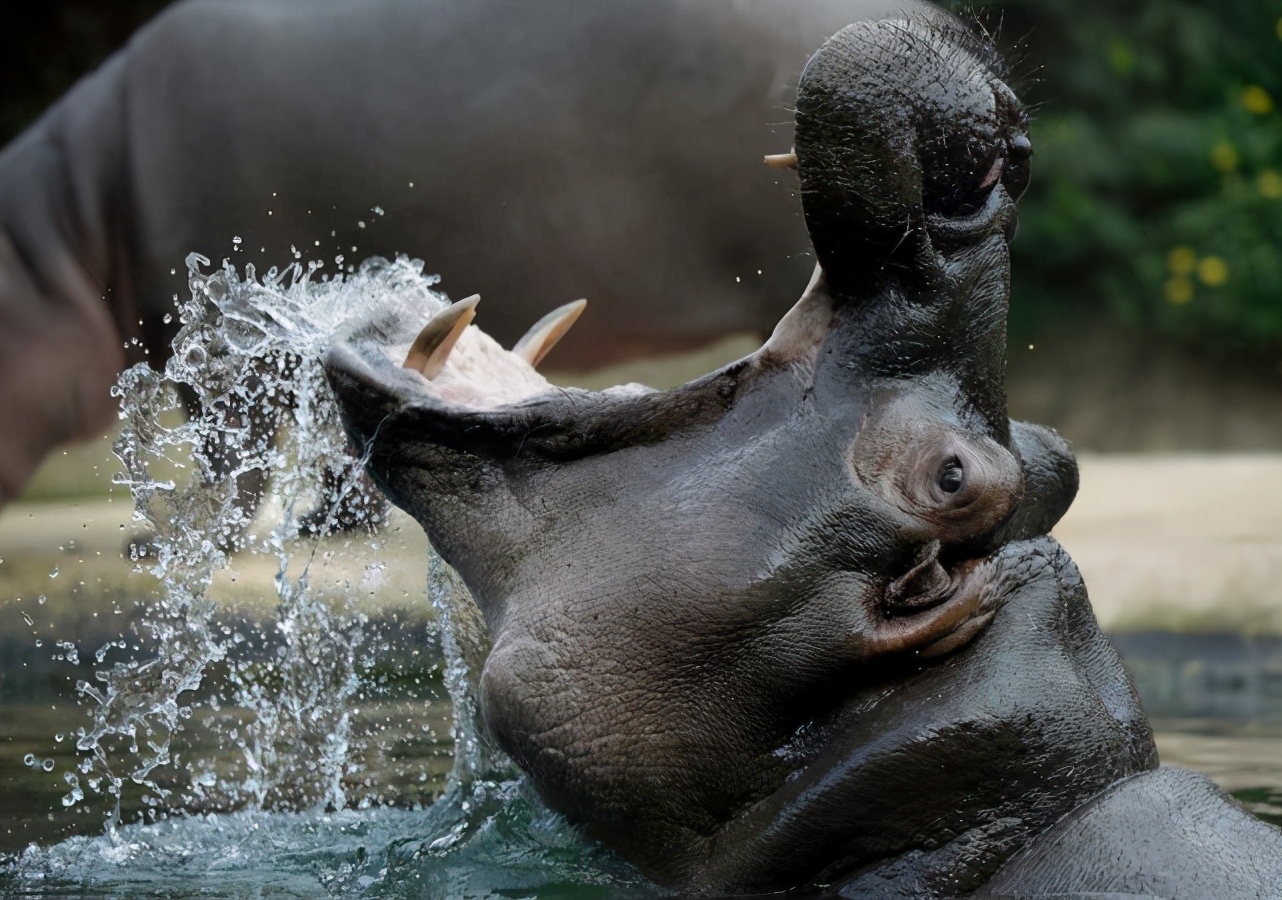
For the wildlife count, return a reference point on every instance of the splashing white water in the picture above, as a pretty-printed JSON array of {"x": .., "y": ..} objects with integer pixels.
[
  {"x": 247, "y": 367},
  {"x": 246, "y": 361}
]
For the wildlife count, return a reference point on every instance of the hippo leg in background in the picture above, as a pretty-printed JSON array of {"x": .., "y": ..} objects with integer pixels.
[
  {"x": 534, "y": 152},
  {"x": 797, "y": 624}
]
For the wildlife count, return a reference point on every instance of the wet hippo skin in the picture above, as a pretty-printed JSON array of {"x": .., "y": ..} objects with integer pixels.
[
  {"x": 797, "y": 625},
  {"x": 557, "y": 150}
]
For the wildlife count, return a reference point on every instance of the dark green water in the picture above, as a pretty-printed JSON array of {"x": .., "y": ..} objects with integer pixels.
[{"x": 1216, "y": 702}]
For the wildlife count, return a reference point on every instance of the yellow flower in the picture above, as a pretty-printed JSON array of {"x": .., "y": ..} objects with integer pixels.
[
  {"x": 1257, "y": 100},
  {"x": 1179, "y": 291},
  {"x": 1270, "y": 184},
  {"x": 1121, "y": 58},
  {"x": 1213, "y": 271},
  {"x": 1181, "y": 260},
  {"x": 1224, "y": 156}
]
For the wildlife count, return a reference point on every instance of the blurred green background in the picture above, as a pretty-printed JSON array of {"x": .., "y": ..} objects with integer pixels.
[{"x": 1157, "y": 191}]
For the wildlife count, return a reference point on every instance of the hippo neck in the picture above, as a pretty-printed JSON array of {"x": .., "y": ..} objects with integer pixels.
[{"x": 928, "y": 780}]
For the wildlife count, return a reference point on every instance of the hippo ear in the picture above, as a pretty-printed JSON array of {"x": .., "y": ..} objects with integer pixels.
[{"x": 1050, "y": 481}]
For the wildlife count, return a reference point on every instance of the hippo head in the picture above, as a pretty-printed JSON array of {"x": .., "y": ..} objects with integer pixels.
[{"x": 697, "y": 597}]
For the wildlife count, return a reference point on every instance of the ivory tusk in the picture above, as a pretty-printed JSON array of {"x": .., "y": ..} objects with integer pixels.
[
  {"x": 433, "y": 345},
  {"x": 782, "y": 160},
  {"x": 547, "y": 331}
]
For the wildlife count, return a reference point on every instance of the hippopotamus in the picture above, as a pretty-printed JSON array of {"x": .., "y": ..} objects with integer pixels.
[
  {"x": 534, "y": 153},
  {"x": 798, "y": 624}
]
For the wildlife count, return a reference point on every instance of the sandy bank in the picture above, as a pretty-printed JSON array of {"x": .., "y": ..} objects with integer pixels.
[
  {"x": 1180, "y": 542},
  {"x": 1164, "y": 541}
]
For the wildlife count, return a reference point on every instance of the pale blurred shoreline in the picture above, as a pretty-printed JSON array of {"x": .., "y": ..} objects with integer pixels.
[{"x": 1165, "y": 542}]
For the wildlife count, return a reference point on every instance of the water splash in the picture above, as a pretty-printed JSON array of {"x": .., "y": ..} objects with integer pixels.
[
  {"x": 521, "y": 850},
  {"x": 291, "y": 814},
  {"x": 246, "y": 361}
]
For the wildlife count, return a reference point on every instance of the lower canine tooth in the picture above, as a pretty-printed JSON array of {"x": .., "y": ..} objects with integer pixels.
[
  {"x": 433, "y": 345},
  {"x": 547, "y": 331}
]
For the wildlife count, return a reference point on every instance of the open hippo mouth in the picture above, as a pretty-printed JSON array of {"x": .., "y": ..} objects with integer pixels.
[
  {"x": 935, "y": 497},
  {"x": 690, "y": 591}
]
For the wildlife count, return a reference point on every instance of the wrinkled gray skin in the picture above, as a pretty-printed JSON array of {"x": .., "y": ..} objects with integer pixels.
[
  {"x": 557, "y": 150},
  {"x": 797, "y": 623}
]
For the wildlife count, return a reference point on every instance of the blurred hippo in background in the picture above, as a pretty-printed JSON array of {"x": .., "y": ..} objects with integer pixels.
[
  {"x": 797, "y": 624},
  {"x": 533, "y": 152}
]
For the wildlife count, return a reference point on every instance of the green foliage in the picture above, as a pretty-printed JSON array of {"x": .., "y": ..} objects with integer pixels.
[{"x": 1157, "y": 181}]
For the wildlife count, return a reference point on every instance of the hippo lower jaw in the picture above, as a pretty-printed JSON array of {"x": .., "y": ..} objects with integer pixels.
[
  {"x": 934, "y": 775},
  {"x": 484, "y": 400},
  {"x": 463, "y": 451}
]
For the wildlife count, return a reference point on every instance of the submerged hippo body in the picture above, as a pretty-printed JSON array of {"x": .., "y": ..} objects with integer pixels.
[
  {"x": 797, "y": 624},
  {"x": 532, "y": 152}
]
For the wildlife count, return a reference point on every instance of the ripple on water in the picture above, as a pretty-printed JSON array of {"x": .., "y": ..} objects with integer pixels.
[{"x": 495, "y": 841}]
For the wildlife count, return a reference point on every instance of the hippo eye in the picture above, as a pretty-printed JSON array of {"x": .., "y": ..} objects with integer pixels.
[{"x": 951, "y": 476}]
